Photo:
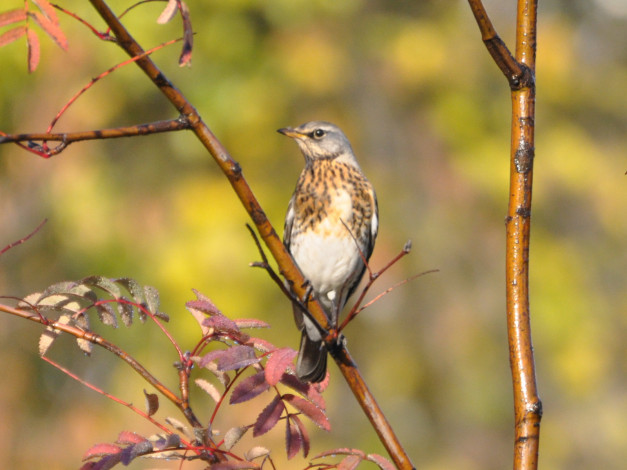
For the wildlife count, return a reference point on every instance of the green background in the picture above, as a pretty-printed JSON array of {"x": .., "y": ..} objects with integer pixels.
[{"x": 428, "y": 114}]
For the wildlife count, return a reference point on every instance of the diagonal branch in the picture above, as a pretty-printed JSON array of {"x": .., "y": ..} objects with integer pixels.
[
  {"x": 518, "y": 75},
  {"x": 288, "y": 268},
  {"x": 24, "y": 239}
]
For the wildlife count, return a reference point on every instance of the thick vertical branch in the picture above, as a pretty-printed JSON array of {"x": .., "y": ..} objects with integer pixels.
[
  {"x": 520, "y": 73},
  {"x": 527, "y": 404}
]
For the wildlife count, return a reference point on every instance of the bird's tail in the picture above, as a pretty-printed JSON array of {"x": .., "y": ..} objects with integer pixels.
[{"x": 311, "y": 365}]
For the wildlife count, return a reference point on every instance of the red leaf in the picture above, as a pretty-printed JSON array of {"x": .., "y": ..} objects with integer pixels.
[
  {"x": 251, "y": 323},
  {"x": 309, "y": 409},
  {"x": 51, "y": 29},
  {"x": 382, "y": 462},
  {"x": 203, "y": 303},
  {"x": 268, "y": 418},
  {"x": 152, "y": 403},
  {"x": 221, "y": 324},
  {"x": 308, "y": 390},
  {"x": 33, "y": 50},
  {"x": 349, "y": 462},
  {"x": 47, "y": 9},
  {"x": 277, "y": 364},
  {"x": 237, "y": 357},
  {"x": 210, "y": 356},
  {"x": 168, "y": 12},
  {"x": 303, "y": 434},
  {"x": 342, "y": 451},
  {"x": 100, "y": 450},
  {"x": 12, "y": 16},
  {"x": 293, "y": 439},
  {"x": 188, "y": 36},
  {"x": 129, "y": 437},
  {"x": 249, "y": 388},
  {"x": 11, "y": 35},
  {"x": 261, "y": 344}
]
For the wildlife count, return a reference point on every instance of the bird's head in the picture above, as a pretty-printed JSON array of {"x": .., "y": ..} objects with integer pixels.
[{"x": 320, "y": 140}]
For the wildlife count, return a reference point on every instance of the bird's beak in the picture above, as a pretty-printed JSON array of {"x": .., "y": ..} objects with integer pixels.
[{"x": 291, "y": 132}]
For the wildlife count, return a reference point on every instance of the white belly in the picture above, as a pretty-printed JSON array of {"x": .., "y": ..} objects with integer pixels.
[{"x": 328, "y": 262}]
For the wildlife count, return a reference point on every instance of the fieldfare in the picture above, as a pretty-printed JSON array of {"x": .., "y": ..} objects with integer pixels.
[{"x": 330, "y": 228}]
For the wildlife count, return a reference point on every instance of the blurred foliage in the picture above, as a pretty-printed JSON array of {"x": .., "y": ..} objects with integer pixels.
[{"x": 428, "y": 114}]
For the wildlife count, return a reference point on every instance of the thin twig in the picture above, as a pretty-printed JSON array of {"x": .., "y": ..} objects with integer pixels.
[
  {"x": 22, "y": 240},
  {"x": 111, "y": 397},
  {"x": 302, "y": 304},
  {"x": 384, "y": 293},
  {"x": 373, "y": 277},
  {"x": 104, "y": 74},
  {"x": 100, "y": 341}
]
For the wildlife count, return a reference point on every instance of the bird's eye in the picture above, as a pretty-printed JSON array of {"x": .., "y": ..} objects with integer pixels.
[{"x": 318, "y": 133}]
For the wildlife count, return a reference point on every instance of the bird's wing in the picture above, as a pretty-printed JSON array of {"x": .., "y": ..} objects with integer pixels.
[
  {"x": 369, "y": 246},
  {"x": 289, "y": 221},
  {"x": 374, "y": 227}
]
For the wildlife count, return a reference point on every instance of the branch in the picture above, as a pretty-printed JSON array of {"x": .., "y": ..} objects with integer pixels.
[
  {"x": 287, "y": 267},
  {"x": 67, "y": 138},
  {"x": 520, "y": 73},
  {"x": 111, "y": 397},
  {"x": 100, "y": 341},
  {"x": 372, "y": 277},
  {"x": 22, "y": 240}
]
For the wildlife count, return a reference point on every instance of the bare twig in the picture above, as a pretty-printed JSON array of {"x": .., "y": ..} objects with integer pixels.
[
  {"x": 108, "y": 395},
  {"x": 100, "y": 341},
  {"x": 373, "y": 276},
  {"x": 302, "y": 304},
  {"x": 104, "y": 74},
  {"x": 527, "y": 404},
  {"x": 355, "y": 311},
  {"x": 67, "y": 138},
  {"x": 22, "y": 240}
]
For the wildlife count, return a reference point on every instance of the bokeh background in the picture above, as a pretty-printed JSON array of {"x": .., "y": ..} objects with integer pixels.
[{"x": 428, "y": 114}]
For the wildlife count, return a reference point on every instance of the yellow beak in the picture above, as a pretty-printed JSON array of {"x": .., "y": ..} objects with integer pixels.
[{"x": 291, "y": 132}]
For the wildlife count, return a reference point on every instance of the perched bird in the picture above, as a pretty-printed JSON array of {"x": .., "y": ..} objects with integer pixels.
[{"x": 331, "y": 218}]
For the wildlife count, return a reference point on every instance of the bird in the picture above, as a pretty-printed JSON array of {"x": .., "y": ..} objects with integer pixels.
[{"x": 331, "y": 226}]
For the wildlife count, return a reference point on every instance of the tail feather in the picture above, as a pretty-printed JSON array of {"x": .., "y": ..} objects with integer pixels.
[{"x": 311, "y": 365}]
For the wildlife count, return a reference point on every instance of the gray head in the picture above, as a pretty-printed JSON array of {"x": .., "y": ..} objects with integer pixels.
[{"x": 320, "y": 140}]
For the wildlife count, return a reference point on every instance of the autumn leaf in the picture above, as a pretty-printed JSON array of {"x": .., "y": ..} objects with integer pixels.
[
  {"x": 33, "y": 50},
  {"x": 12, "y": 35},
  {"x": 309, "y": 409},
  {"x": 268, "y": 418},
  {"x": 293, "y": 439},
  {"x": 249, "y": 388},
  {"x": 12, "y": 16},
  {"x": 53, "y": 30},
  {"x": 277, "y": 364}
]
